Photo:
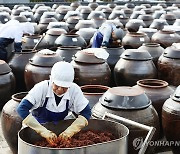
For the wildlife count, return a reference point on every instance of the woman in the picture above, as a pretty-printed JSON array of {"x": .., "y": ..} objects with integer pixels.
[
  {"x": 50, "y": 101},
  {"x": 12, "y": 31},
  {"x": 107, "y": 34}
]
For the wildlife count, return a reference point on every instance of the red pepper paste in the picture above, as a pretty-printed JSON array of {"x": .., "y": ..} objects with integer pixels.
[{"x": 83, "y": 138}]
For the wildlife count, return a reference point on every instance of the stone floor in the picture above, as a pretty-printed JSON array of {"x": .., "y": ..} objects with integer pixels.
[{"x": 4, "y": 148}]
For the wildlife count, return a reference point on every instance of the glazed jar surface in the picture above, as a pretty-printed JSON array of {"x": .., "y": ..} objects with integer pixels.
[
  {"x": 93, "y": 93},
  {"x": 165, "y": 38},
  {"x": 67, "y": 52},
  {"x": 130, "y": 103},
  {"x": 154, "y": 49},
  {"x": 114, "y": 56},
  {"x": 7, "y": 83},
  {"x": 11, "y": 122},
  {"x": 17, "y": 62},
  {"x": 134, "y": 65},
  {"x": 90, "y": 70},
  {"x": 171, "y": 120},
  {"x": 39, "y": 67},
  {"x": 134, "y": 40},
  {"x": 169, "y": 65},
  {"x": 70, "y": 40},
  {"x": 158, "y": 92}
]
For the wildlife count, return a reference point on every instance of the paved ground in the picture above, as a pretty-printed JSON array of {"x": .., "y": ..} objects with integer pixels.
[{"x": 4, "y": 148}]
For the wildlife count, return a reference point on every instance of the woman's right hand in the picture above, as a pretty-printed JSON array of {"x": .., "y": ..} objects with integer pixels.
[
  {"x": 50, "y": 137},
  {"x": 41, "y": 130}
]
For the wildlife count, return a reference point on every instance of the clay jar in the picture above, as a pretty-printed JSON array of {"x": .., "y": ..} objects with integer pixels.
[
  {"x": 4, "y": 17},
  {"x": 50, "y": 37},
  {"x": 171, "y": 119},
  {"x": 169, "y": 65},
  {"x": 158, "y": 92},
  {"x": 39, "y": 67},
  {"x": 67, "y": 52},
  {"x": 70, "y": 40},
  {"x": 7, "y": 83},
  {"x": 147, "y": 19},
  {"x": 85, "y": 24},
  {"x": 85, "y": 11},
  {"x": 134, "y": 24},
  {"x": 134, "y": 40},
  {"x": 17, "y": 62},
  {"x": 114, "y": 56},
  {"x": 169, "y": 17},
  {"x": 134, "y": 65},
  {"x": 154, "y": 49},
  {"x": 11, "y": 122},
  {"x": 93, "y": 93},
  {"x": 43, "y": 23},
  {"x": 30, "y": 41},
  {"x": 130, "y": 103},
  {"x": 86, "y": 33},
  {"x": 90, "y": 70},
  {"x": 148, "y": 31},
  {"x": 165, "y": 38}
]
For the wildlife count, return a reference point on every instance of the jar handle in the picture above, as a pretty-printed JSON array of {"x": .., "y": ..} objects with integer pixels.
[
  {"x": 107, "y": 100},
  {"x": 136, "y": 124},
  {"x": 126, "y": 55},
  {"x": 30, "y": 60}
]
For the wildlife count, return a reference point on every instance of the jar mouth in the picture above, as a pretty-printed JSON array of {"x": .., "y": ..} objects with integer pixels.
[
  {"x": 168, "y": 31},
  {"x": 70, "y": 35},
  {"x": 151, "y": 44},
  {"x": 136, "y": 34},
  {"x": 152, "y": 83},
  {"x": 69, "y": 47},
  {"x": 19, "y": 96},
  {"x": 94, "y": 89}
]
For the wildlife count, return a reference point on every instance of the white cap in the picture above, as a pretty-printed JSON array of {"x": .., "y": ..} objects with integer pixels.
[{"x": 62, "y": 74}]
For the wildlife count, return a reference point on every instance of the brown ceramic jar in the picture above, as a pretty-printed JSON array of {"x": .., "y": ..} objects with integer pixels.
[
  {"x": 130, "y": 103},
  {"x": 134, "y": 65},
  {"x": 154, "y": 49},
  {"x": 67, "y": 52},
  {"x": 158, "y": 92},
  {"x": 93, "y": 93},
  {"x": 48, "y": 41},
  {"x": 165, "y": 38},
  {"x": 134, "y": 40},
  {"x": 114, "y": 56},
  {"x": 171, "y": 120},
  {"x": 17, "y": 62},
  {"x": 70, "y": 40},
  {"x": 11, "y": 122},
  {"x": 90, "y": 70},
  {"x": 39, "y": 67},
  {"x": 169, "y": 65},
  {"x": 7, "y": 83},
  {"x": 30, "y": 41}
]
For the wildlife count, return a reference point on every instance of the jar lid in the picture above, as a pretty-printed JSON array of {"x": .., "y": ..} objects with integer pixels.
[
  {"x": 87, "y": 56},
  {"x": 56, "y": 31},
  {"x": 4, "y": 67},
  {"x": 46, "y": 58},
  {"x": 176, "y": 95},
  {"x": 172, "y": 51},
  {"x": 136, "y": 54},
  {"x": 125, "y": 98}
]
